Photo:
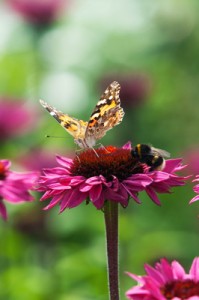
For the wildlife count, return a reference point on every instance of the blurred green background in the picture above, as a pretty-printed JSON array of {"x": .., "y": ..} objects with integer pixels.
[{"x": 67, "y": 55}]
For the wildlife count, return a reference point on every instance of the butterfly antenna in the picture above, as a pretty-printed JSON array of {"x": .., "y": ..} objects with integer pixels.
[{"x": 53, "y": 136}]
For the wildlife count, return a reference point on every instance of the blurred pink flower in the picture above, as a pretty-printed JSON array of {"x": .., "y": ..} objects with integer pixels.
[
  {"x": 14, "y": 186},
  {"x": 15, "y": 118},
  {"x": 112, "y": 175},
  {"x": 38, "y": 12},
  {"x": 37, "y": 159},
  {"x": 191, "y": 157},
  {"x": 166, "y": 281},
  {"x": 196, "y": 190},
  {"x": 136, "y": 87}
]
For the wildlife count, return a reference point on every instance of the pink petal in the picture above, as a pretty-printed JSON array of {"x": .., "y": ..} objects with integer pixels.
[
  {"x": 175, "y": 162},
  {"x": 132, "y": 194},
  {"x": 136, "y": 293},
  {"x": 194, "y": 270},
  {"x": 56, "y": 199},
  {"x": 196, "y": 178},
  {"x": 136, "y": 198},
  {"x": 50, "y": 194},
  {"x": 137, "y": 182},
  {"x": 85, "y": 188},
  {"x": 136, "y": 278},
  {"x": 153, "y": 288},
  {"x": 6, "y": 163},
  {"x": 99, "y": 202},
  {"x": 64, "y": 181},
  {"x": 155, "y": 274},
  {"x": 172, "y": 164},
  {"x": 63, "y": 161},
  {"x": 159, "y": 176},
  {"x": 59, "y": 186},
  {"x": 76, "y": 180},
  {"x": 93, "y": 180},
  {"x": 194, "y": 199},
  {"x": 178, "y": 270},
  {"x": 55, "y": 171},
  {"x": 115, "y": 184},
  {"x": 166, "y": 270},
  {"x": 95, "y": 192},
  {"x": 72, "y": 199},
  {"x": 153, "y": 195},
  {"x": 127, "y": 146},
  {"x": 28, "y": 177},
  {"x": 120, "y": 196},
  {"x": 196, "y": 188},
  {"x": 13, "y": 195}
]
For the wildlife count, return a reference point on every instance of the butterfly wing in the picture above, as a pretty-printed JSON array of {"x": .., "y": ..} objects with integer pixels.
[
  {"x": 107, "y": 114},
  {"x": 75, "y": 127}
]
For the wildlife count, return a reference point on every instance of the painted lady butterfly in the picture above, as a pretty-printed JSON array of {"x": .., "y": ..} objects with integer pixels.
[{"x": 107, "y": 114}]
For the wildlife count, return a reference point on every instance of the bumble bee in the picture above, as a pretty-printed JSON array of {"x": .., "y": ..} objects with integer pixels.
[{"x": 152, "y": 157}]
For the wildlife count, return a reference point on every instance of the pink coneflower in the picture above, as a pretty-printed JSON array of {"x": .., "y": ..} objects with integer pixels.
[
  {"x": 105, "y": 174},
  {"x": 23, "y": 118},
  {"x": 14, "y": 186},
  {"x": 38, "y": 12},
  {"x": 196, "y": 190},
  {"x": 166, "y": 281}
]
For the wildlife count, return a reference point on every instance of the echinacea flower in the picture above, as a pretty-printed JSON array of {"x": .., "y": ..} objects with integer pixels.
[
  {"x": 105, "y": 174},
  {"x": 38, "y": 12},
  {"x": 14, "y": 186},
  {"x": 196, "y": 190},
  {"x": 166, "y": 281}
]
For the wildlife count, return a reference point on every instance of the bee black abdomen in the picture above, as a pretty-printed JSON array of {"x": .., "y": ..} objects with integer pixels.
[
  {"x": 144, "y": 154},
  {"x": 156, "y": 163}
]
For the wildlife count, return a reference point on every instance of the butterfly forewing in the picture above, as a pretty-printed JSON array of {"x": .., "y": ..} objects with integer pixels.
[
  {"x": 76, "y": 128},
  {"x": 107, "y": 113}
]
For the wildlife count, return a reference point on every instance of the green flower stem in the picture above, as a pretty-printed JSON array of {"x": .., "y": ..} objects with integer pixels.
[{"x": 111, "y": 224}]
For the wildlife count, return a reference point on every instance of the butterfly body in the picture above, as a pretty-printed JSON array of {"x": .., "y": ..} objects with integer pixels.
[{"x": 107, "y": 114}]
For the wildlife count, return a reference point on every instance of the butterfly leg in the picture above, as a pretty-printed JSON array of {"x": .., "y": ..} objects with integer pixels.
[
  {"x": 95, "y": 152},
  {"x": 77, "y": 156},
  {"x": 102, "y": 146}
]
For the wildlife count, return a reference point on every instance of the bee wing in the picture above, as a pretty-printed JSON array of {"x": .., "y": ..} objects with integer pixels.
[{"x": 160, "y": 152}]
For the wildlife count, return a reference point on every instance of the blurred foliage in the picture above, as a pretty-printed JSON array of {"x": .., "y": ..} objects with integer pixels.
[{"x": 44, "y": 255}]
